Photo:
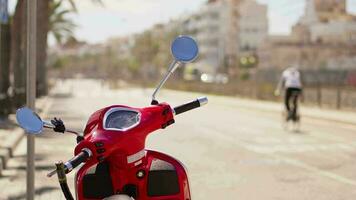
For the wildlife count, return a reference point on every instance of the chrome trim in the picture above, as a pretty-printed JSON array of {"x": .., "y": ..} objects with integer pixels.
[
  {"x": 69, "y": 166},
  {"x": 203, "y": 101},
  {"x": 88, "y": 151},
  {"x": 120, "y": 109},
  {"x": 48, "y": 124},
  {"x": 174, "y": 65}
]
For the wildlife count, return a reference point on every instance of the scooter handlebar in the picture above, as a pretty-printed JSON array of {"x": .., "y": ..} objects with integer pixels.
[
  {"x": 74, "y": 162},
  {"x": 191, "y": 105},
  {"x": 78, "y": 159}
]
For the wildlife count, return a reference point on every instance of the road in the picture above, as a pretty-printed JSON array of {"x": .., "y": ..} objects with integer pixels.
[{"x": 231, "y": 151}]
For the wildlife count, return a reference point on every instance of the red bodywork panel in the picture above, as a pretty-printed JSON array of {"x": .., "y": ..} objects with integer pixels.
[{"x": 125, "y": 151}]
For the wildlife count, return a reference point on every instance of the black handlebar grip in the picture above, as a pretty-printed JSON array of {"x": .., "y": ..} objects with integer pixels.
[
  {"x": 191, "y": 105},
  {"x": 77, "y": 160}
]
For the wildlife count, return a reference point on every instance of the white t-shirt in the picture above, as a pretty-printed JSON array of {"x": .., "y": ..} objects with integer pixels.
[{"x": 291, "y": 78}]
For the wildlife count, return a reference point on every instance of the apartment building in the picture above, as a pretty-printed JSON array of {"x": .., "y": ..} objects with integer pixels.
[
  {"x": 324, "y": 37},
  {"x": 328, "y": 21},
  {"x": 224, "y": 27}
]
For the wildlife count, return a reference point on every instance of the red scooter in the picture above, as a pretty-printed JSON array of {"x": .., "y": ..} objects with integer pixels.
[{"x": 111, "y": 152}]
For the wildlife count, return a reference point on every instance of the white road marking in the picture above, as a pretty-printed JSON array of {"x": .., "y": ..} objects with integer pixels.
[
  {"x": 271, "y": 152},
  {"x": 300, "y": 148},
  {"x": 297, "y": 163}
]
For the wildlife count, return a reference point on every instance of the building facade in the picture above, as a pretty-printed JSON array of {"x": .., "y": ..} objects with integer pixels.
[
  {"x": 253, "y": 25},
  {"x": 324, "y": 36},
  {"x": 282, "y": 52},
  {"x": 330, "y": 9},
  {"x": 207, "y": 28},
  {"x": 226, "y": 29}
]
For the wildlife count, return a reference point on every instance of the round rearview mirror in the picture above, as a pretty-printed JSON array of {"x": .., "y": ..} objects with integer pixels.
[
  {"x": 29, "y": 120},
  {"x": 184, "y": 49}
]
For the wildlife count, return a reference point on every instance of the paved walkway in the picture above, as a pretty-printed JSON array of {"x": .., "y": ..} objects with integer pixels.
[
  {"x": 50, "y": 147},
  {"x": 11, "y": 134}
]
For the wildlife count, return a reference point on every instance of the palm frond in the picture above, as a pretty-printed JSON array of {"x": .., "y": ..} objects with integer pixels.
[
  {"x": 60, "y": 26},
  {"x": 73, "y": 5}
]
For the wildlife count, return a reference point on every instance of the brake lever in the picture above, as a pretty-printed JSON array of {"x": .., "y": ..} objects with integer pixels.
[{"x": 49, "y": 175}]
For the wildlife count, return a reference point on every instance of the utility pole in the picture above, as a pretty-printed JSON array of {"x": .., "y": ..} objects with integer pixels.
[{"x": 31, "y": 92}]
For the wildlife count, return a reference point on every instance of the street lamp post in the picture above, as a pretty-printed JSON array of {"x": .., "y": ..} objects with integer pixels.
[{"x": 31, "y": 92}]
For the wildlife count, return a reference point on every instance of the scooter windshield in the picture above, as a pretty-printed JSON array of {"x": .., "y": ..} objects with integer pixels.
[{"x": 121, "y": 119}]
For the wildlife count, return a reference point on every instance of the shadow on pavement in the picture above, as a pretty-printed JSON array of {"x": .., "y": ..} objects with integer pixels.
[
  {"x": 300, "y": 132},
  {"x": 38, "y": 168},
  {"x": 23, "y": 157},
  {"x": 61, "y": 95},
  {"x": 10, "y": 177},
  {"x": 38, "y": 191},
  {"x": 7, "y": 124}
]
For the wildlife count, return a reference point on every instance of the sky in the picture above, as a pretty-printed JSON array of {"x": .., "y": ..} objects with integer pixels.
[{"x": 122, "y": 17}]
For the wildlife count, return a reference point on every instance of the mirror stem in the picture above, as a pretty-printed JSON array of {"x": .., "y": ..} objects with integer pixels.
[
  {"x": 48, "y": 124},
  {"x": 51, "y": 126},
  {"x": 73, "y": 132},
  {"x": 174, "y": 65}
]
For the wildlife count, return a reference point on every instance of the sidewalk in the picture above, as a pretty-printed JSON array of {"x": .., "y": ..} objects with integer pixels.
[
  {"x": 339, "y": 116},
  {"x": 49, "y": 148},
  {"x": 11, "y": 135}
]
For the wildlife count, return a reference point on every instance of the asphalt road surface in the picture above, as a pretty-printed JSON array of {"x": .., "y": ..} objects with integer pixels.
[{"x": 231, "y": 151}]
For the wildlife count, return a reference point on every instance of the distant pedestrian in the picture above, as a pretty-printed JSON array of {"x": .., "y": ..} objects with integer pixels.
[{"x": 291, "y": 83}]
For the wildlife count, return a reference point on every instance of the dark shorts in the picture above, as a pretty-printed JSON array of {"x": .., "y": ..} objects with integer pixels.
[{"x": 291, "y": 97}]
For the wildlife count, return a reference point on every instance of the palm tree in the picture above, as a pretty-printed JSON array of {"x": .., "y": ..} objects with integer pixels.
[
  {"x": 59, "y": 26},
  {"x": 18, "y": 43},
  {"x": 43, "y": 13},
  {"x": 74, "y": 6},
  {"x": 4, "y": 69},
  {"x": 17, "y": 53}
]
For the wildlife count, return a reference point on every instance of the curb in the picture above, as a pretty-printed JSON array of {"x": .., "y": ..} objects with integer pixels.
[{"x": 8, "y": 146}]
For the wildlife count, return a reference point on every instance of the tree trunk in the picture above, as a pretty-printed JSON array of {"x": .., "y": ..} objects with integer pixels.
[
  {"x": 4, "y": 70},
  {"x": 42, "y": 31},
  {"x": 18, "y": 54}
]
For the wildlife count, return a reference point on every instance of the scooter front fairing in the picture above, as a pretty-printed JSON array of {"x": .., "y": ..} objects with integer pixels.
[{"x": 159, "y": 177}]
